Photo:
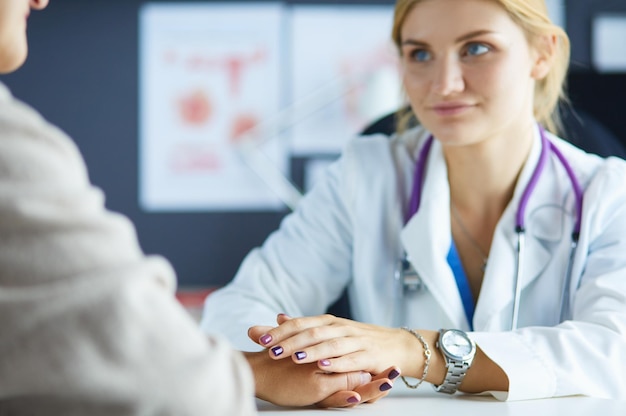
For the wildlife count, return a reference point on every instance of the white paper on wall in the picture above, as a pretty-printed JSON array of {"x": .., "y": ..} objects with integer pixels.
[
  {"x": 608, "y": 43},
  {"x": 208, "y": 73},
  {"x": 344, "y": 70}
]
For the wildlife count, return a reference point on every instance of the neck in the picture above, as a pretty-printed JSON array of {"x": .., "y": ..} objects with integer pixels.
[{"x": 482, "y": 176}]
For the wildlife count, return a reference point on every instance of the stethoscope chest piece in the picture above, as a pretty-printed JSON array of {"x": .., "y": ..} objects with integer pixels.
[{"x": 406, "y": 278}]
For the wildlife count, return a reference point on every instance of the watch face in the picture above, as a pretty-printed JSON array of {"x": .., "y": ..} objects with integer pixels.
[{"x": 457, "y": 343}]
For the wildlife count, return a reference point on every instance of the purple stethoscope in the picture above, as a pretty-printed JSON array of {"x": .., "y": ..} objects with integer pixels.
[{"x": 410, "y": 281}]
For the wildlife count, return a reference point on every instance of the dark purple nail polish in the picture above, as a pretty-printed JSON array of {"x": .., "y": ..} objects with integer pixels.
[
  {"x": 277, "y": 350},
  {"x": 265, "y": 339},
  {"x": 353, "y": 400},
  {"x": 393, "y": 374},
  {"x": 300, "y": 355},
  {"x": 385, "y": 387},
  {"x": 324, "y": 363}
]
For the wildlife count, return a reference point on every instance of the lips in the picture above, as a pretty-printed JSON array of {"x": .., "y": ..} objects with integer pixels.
[{"x": 451, "y": 108}]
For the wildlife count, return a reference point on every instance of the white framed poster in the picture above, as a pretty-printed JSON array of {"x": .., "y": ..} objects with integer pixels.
[{"x": 209, "y": 72}]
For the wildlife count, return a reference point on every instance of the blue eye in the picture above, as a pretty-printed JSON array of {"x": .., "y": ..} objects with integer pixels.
[
  {"x": 476, "y": 49},
  {"x": 421, "y": 55}
]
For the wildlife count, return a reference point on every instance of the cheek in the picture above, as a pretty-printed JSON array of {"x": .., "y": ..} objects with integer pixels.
[
  {"x": 502, "y": 83},
  {"x": 490, "y": 76},
  {"x": 416, "y": 88}
]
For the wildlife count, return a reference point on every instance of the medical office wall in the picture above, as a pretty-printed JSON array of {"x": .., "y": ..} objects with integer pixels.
[{"x": 90, "y": 72}]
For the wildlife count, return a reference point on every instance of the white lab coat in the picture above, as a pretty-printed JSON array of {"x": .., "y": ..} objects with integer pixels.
[{"x": 349, "y": 232}]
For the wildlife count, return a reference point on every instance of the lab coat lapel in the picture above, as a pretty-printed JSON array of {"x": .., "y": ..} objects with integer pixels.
[
  {"x": 426, "y": 239},
  {"x": 494, "y": 309},
  {"x": 544, "y": 225}
]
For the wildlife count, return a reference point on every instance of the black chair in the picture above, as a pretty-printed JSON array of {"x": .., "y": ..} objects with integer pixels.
[{"x": 584, "y": 131}]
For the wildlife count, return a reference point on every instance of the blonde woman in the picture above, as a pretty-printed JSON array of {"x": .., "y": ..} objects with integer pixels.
[{"x": 496, "y": 244}]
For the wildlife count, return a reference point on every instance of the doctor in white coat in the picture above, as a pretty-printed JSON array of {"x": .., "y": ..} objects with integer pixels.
[{"x": 482, "y": 76}]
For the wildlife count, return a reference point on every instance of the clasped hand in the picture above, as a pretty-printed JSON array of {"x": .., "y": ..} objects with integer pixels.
[{"x": 362, "y": 355}]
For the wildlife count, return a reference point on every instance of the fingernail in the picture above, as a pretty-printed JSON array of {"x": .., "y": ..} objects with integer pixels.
[
  {"x": 265, "y": 339},
  {"x": 284, "y": 315},
  {"x": 353, "y": 400},
  {"x": 300, "y": 355},
  {"x": 324, "y": 363},
  {"x": 277, "y": 350},
  {"x": 393, "y": 374},
  {"x": 385, "y": 386}
]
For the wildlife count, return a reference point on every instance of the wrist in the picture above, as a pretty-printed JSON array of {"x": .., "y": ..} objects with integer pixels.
[
  {"x": 458, "y": 351},
  {"x": 256, "y": 361},
  {"x": 415, "y": 359}
]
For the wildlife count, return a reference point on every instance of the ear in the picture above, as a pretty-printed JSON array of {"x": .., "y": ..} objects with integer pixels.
[{"x": 544, "y": 53}]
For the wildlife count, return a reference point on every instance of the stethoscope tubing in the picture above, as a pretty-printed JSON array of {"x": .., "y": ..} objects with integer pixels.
[
  {"x": 520, "y": 226},
  {"x": 521, "y": 244}
]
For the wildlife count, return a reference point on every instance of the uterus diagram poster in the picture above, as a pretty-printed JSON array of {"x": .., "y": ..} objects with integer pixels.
[{"x": 209, "y": 72}]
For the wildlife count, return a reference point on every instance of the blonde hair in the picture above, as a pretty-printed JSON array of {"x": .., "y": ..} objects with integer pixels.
[{"x": 532, "y": 17}]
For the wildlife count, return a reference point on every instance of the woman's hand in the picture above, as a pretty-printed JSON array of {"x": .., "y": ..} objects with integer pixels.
[
  {"x": 284, "y": 383},
  {"x": 287, "y": 384},
  {"x": 336, "y": 344},
  {"x": 341, "y": 345}
]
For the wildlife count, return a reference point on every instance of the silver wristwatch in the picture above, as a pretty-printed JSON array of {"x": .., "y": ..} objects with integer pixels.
[{"x": 458, "y": 350}]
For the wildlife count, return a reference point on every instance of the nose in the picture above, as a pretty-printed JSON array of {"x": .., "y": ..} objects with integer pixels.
[
  {"x": 448, "y": 78},
  {"x": 38, "y": 4}
]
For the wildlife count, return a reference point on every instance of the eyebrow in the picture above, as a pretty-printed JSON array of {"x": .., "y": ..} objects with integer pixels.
[{"x": 460, "y": 39}]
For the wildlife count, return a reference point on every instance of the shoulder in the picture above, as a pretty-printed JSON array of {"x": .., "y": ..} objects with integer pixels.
[
  {"x": 588, "y": 167},
  {"x": 603, "y": 179},
  {"x": 608, "y": 182},
  {"x": 378, "y": 165}
]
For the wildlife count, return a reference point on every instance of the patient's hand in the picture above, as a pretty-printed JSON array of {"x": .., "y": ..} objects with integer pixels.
[{"x": 286, "y": 383}]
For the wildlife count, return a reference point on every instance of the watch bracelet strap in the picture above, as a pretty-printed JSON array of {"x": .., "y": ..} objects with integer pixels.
[{"x": 454, "y": 378}]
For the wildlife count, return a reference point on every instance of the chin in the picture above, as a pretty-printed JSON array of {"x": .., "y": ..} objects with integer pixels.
[
  {"x": 450, "y": 133},
  {"x": 11, "y": 63}
]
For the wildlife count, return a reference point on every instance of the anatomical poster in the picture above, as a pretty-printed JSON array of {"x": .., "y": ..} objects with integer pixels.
[{"x": 210, "y": 73}]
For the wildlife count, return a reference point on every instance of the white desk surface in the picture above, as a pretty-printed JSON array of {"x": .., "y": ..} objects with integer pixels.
[{"x": 425, "y": 402}]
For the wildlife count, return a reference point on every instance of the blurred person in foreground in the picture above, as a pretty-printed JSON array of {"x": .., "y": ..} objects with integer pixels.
[{"x": 88, "y": 324}]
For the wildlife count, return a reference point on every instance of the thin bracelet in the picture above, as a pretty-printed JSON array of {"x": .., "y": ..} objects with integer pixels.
[{"x": 427, "y": 354}]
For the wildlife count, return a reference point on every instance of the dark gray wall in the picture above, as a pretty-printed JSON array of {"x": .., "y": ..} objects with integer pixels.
[{"x": 82, "y": 76}]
